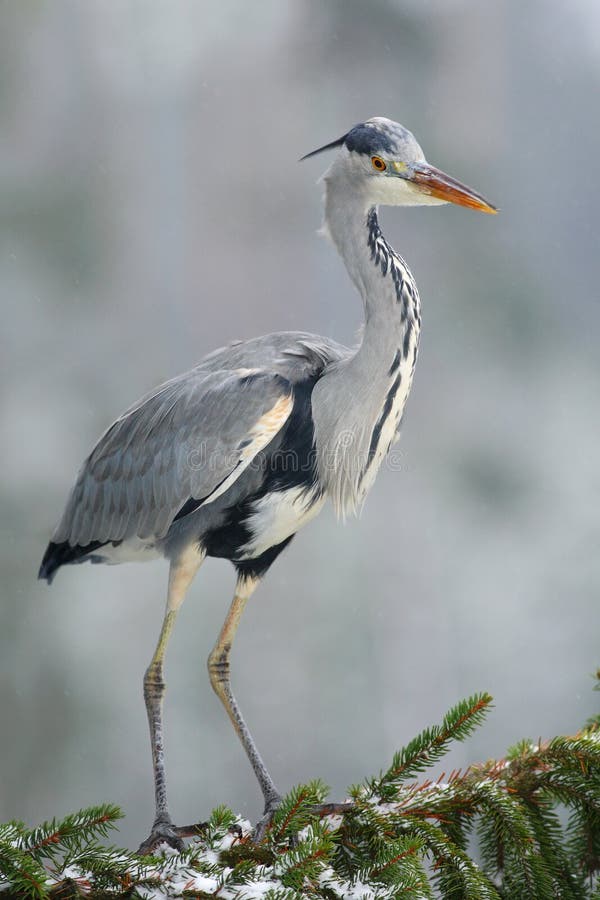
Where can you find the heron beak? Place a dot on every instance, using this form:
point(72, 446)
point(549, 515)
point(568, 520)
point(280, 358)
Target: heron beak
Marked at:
point(435, 182)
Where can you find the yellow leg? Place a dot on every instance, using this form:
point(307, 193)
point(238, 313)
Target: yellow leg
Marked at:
point(218, 669)
point(181, 573)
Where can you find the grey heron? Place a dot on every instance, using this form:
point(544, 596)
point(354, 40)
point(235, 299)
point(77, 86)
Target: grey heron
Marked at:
point(231, 458)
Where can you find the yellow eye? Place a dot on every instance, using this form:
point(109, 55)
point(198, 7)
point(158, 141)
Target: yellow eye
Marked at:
point(378, 164)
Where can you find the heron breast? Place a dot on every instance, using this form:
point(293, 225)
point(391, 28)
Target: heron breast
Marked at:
point(277, 516)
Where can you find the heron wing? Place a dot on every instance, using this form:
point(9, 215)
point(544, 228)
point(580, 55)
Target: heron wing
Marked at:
point(294, 354)
point(190, 438)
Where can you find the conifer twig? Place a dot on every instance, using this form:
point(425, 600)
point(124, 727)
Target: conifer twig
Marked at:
point(394, 837)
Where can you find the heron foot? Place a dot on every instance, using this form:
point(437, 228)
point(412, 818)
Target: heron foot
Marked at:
point(163, 832)
point(271, 807)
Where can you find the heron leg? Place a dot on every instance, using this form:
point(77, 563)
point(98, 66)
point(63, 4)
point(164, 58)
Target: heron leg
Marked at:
point(181, 573)
point(218, 669)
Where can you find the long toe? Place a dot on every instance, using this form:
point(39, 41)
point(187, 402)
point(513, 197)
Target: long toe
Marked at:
point(271, 807)
point(162, 833)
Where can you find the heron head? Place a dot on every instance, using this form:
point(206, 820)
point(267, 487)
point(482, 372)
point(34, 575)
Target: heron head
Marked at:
point(383, 160)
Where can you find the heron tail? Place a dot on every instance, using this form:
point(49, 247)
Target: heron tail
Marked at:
point(62, 554)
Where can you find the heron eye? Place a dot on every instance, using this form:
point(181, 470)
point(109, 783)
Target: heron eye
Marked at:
point(378, 164)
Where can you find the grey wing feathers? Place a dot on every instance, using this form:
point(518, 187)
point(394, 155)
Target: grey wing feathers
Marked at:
point(293, 354)
point(191, 438)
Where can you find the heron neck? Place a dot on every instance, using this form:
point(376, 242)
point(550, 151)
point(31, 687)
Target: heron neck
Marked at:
point(358, 404)
point(384, 281)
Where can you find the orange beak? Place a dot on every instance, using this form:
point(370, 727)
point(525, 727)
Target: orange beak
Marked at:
point(435, 182)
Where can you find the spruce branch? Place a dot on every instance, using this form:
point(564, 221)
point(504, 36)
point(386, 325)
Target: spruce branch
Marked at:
point(395, 837)
point(431, 745)
point(296, 811)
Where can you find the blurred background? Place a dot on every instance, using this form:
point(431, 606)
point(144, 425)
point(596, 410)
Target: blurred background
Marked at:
point(152, 208)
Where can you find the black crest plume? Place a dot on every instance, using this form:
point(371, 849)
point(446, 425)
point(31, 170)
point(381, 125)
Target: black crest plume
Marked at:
point(330, 146)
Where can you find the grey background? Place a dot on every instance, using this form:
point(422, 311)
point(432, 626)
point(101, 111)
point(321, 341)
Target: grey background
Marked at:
point(152, 208)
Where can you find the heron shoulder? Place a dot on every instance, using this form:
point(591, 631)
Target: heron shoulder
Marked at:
point(296, 355)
